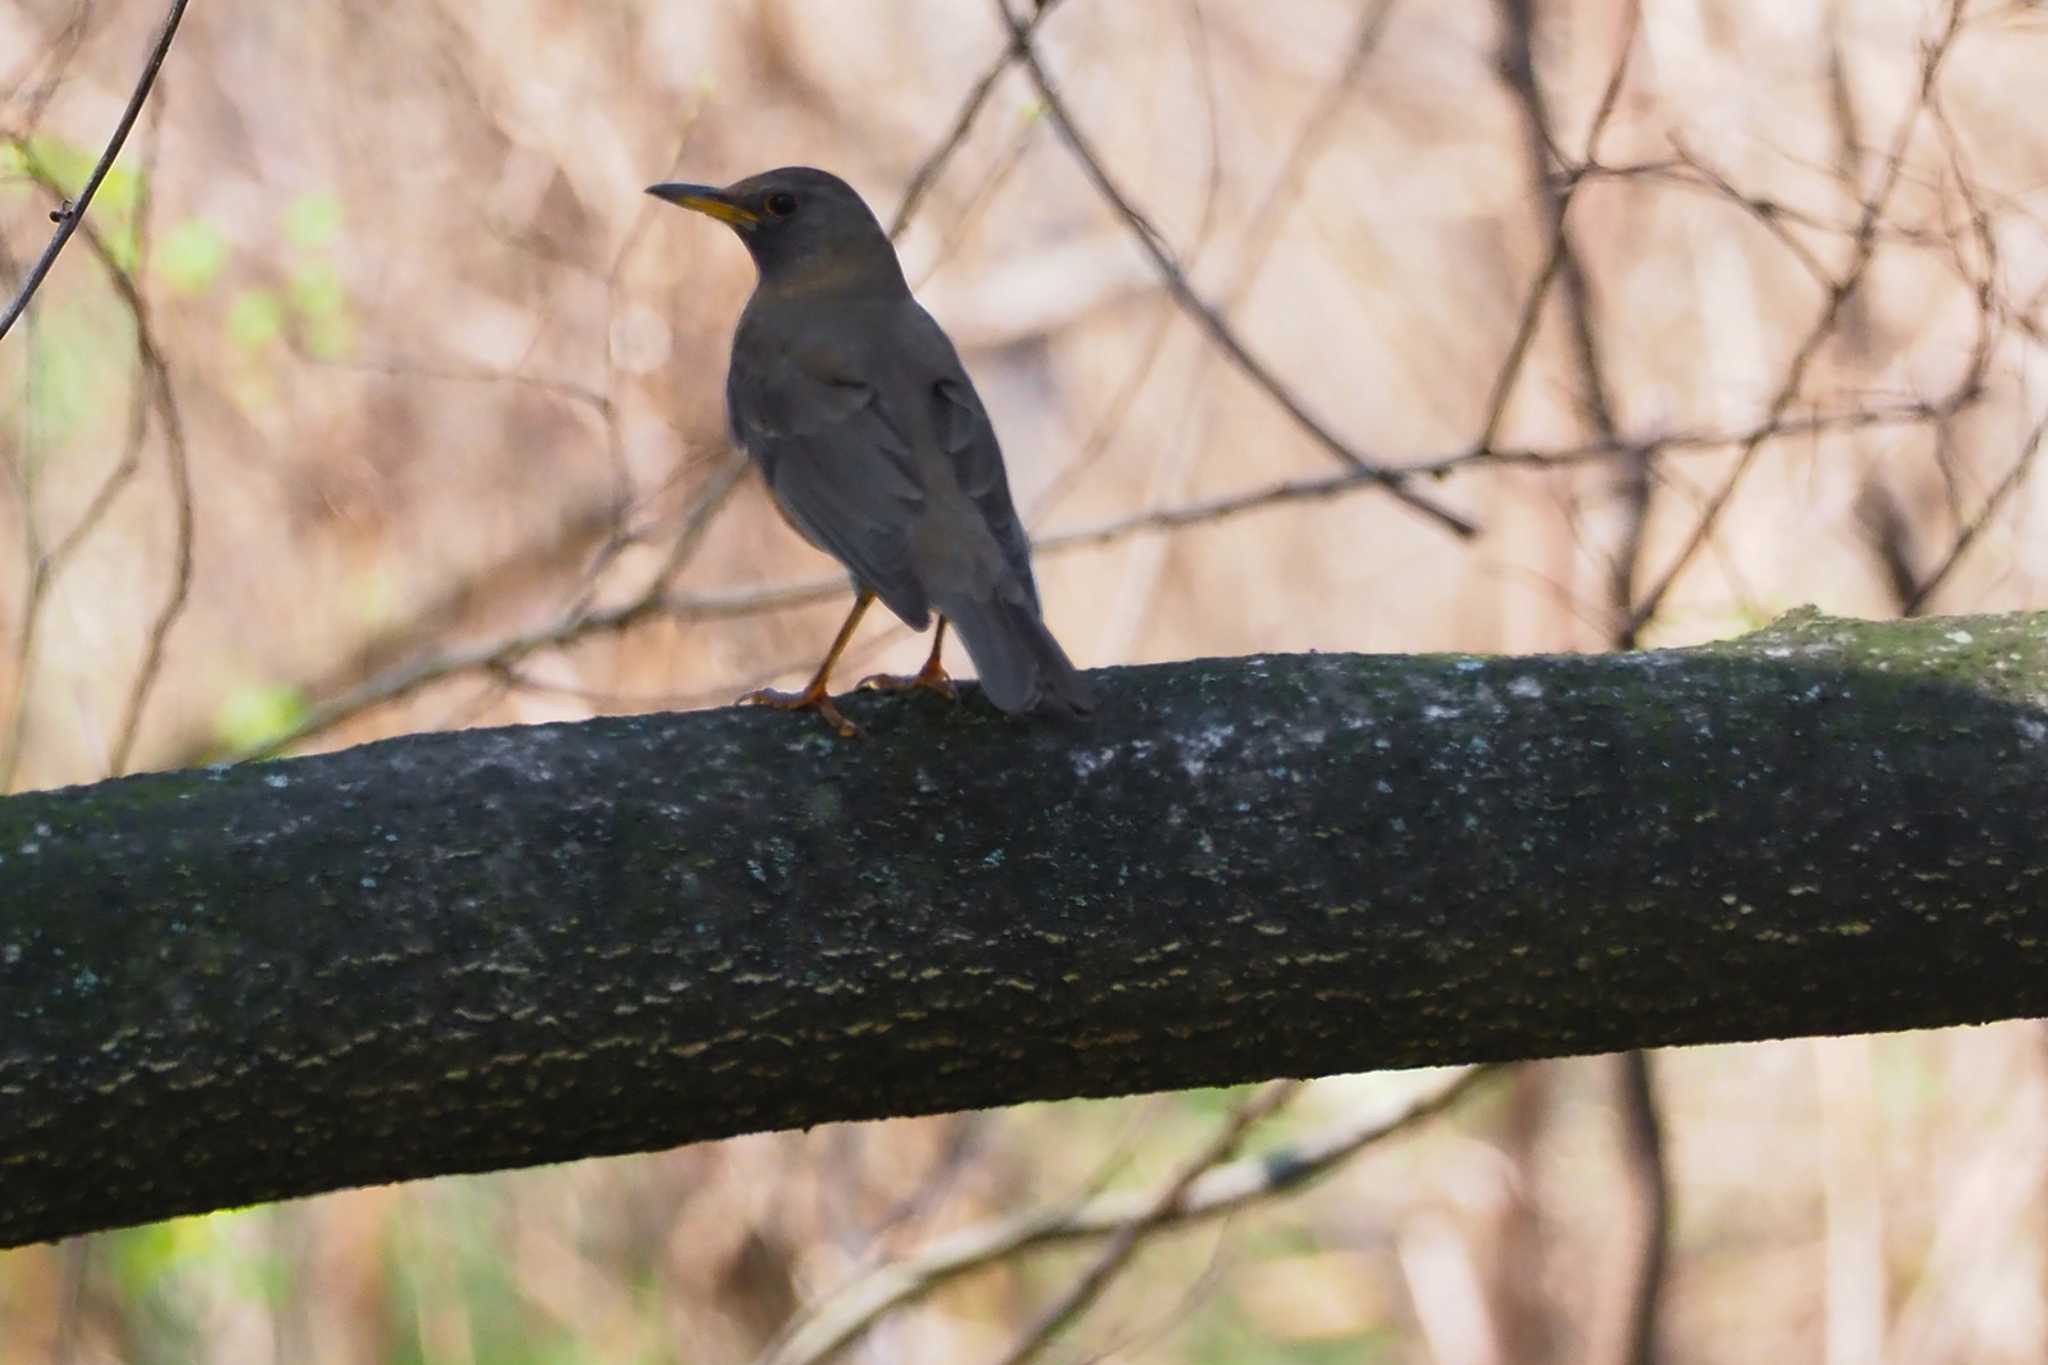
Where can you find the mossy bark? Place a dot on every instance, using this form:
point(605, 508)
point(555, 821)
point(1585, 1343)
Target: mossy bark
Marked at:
point(465, 951)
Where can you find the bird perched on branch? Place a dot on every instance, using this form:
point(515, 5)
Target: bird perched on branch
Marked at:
point(874, 443)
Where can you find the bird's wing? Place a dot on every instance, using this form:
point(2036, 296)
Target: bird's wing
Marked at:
point(838, 465)
point(969, 440)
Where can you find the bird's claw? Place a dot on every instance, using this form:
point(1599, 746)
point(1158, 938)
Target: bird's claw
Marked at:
point(930, 679)
point(810, 699)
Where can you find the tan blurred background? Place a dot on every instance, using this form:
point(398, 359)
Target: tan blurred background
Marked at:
point(378, 398)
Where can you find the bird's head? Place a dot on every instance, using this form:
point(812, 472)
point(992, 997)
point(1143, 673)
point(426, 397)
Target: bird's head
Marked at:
point(805, 228)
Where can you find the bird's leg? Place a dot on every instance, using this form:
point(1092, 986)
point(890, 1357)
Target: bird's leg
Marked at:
point(932, 677)
point(813, 697)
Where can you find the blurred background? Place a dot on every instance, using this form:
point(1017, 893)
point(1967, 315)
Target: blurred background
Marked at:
point(375, 397)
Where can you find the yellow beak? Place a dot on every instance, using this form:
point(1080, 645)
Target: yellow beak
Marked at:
point(705, 199)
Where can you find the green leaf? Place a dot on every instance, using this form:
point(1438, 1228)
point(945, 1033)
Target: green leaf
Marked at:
point(255, 319)
point(257, 716)
point(191, 256)
point(313, 221)
point(322, 306)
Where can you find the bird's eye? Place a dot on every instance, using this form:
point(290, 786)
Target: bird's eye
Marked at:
point(781, 203)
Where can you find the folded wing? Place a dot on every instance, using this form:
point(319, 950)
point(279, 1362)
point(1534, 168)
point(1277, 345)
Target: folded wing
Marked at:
point(841, 470)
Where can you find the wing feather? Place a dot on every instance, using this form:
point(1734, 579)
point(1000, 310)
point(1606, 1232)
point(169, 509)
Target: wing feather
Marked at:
point(840, 470)
point(969, 440)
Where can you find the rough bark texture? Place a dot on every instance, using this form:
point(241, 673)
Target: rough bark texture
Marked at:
point(464, 951)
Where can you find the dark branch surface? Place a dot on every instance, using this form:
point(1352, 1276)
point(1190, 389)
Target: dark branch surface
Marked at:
point(465, 951)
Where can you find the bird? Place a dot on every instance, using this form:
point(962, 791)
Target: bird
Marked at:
point(853, 404)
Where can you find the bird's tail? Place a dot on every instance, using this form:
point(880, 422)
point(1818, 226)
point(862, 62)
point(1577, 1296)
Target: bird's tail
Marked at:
point(1022, 667)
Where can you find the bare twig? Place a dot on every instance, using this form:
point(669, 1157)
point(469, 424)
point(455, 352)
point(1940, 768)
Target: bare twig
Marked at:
point(928, 170)
point(1086, 1289)
point(1565, 265)
point(1643, 1129)
point(45, 565)
point(1823, 326)
point(1217, 1190)
point(156, 376)
point(1965, 538)
point(1888, 531)
point(1284, 191)
point(155, 381)
point(73, 213)
point(54, 56)
point(1273, 204)
point(1518, 68)
point(577, 623)
point(1218, 330)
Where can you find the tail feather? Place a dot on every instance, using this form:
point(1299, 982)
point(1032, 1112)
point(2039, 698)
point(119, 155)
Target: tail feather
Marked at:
point(1022, 667)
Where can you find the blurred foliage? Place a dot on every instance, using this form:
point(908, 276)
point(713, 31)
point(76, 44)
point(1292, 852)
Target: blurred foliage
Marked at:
point(81, 357)
point(255, 715)
point(191, 256)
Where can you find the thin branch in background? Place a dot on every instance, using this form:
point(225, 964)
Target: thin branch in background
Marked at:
point(71, 215)
point(1519, 1292)
point(1184, 293)
point(1518, 69)
point(934, 162)
point(615, 440)
point(1884, 523)
point(1566, 266)
point(1643, 1128)
point(1986, 283)
point(1279, 196)
point(54, 57)
point(1823, 326)
point(1091, 1283)
point(1775, 218)
point(1219, 1189)
point(977, 201)
point(577, 623)
point(155, 379)
point(20, 485)
point(77, 1259)
point(2030, 449)
point(1856, 325)
point(1284, 192)
point(1888, 531)
point(46, 565)
point(1686, 169)
point(1136, 1341)
point(967, 1136)
point(1167, 458)
point(1270, 213)
point(157, 375)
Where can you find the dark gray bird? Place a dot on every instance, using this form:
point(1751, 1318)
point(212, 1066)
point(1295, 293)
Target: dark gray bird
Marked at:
point(874, 443)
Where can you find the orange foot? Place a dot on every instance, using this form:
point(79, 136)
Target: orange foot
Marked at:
point(812, 698)
point(931, 678)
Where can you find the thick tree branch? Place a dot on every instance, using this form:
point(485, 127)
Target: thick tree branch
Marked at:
point(465, 951)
